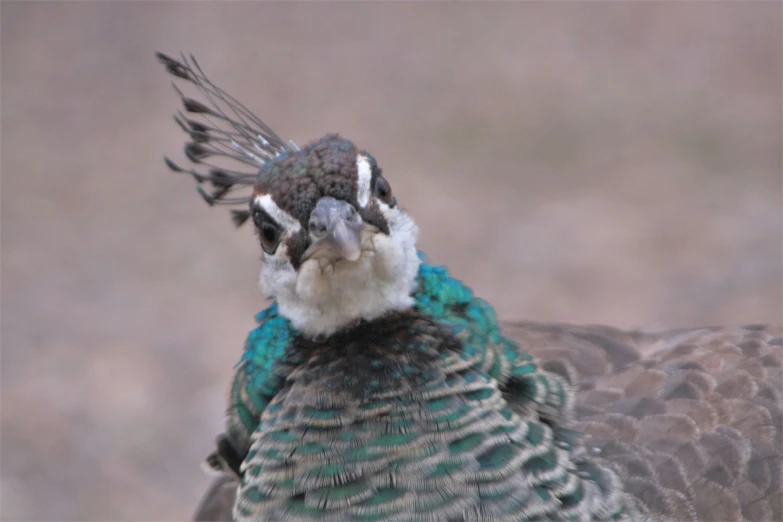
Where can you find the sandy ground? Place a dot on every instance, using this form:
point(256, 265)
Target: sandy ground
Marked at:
point(599, 162)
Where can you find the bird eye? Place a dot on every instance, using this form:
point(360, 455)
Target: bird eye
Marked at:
point(383, 191)
point(268, 232)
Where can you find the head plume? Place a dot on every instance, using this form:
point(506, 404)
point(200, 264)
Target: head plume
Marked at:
point(222, 130)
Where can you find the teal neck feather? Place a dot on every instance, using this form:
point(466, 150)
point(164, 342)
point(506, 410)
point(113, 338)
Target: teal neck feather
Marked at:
point(491, 404)
point(264, 363)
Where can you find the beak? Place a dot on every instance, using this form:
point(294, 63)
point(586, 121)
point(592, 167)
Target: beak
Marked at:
point(336, 231)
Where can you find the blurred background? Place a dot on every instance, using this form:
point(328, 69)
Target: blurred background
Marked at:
point(604, 162)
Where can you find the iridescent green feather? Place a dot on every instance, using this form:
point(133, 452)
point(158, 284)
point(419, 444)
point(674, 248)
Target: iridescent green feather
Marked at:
point(263, 366)
point(480, 434)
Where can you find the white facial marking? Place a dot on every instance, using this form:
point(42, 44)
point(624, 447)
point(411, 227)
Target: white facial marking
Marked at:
point(284, 219)
point(321, 298)
point(364, 169)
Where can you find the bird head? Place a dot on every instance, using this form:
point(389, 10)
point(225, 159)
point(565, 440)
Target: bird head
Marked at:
point(336, 248)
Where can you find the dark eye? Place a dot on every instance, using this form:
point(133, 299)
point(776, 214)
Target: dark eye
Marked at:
point(268, 232)
point(383, 191)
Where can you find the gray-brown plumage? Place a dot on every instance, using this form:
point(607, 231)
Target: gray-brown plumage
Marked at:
point(691, 420)
point(218, 501)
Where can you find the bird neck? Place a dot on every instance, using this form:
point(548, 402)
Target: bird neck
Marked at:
point(393, 352)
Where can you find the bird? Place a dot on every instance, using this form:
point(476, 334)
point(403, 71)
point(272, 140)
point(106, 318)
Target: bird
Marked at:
point(376, 386)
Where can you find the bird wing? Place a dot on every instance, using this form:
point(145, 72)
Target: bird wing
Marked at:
point(691, 419)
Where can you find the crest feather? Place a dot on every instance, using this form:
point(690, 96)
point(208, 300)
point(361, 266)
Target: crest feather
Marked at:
point(228, 133)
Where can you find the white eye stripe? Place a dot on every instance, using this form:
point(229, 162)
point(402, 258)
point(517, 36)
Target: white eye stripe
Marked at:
point(364, 179)
point(283, 218)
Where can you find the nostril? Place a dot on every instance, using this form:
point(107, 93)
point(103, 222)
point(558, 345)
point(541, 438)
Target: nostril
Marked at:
point(317, 226)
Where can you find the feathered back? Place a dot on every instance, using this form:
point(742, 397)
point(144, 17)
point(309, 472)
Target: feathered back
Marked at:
point(691, 420)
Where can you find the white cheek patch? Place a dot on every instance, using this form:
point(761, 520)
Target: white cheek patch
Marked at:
point(283, 218)
point(364, 179)
point(321, 299)
point(276, 272)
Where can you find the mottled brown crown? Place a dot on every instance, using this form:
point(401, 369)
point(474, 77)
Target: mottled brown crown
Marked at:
point(296, 180)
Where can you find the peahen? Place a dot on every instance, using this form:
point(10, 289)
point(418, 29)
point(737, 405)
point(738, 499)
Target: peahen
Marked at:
point(378, 387)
